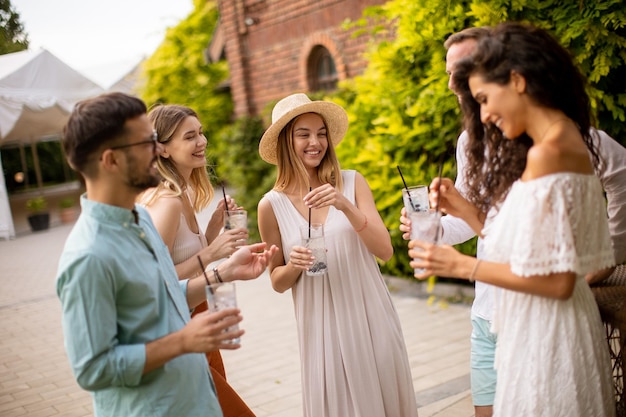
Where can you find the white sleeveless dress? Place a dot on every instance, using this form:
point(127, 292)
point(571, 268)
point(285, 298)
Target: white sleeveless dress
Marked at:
point(353, 356)
point(552, 358)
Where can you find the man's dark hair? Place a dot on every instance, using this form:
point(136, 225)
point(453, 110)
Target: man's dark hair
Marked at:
point(94, 123)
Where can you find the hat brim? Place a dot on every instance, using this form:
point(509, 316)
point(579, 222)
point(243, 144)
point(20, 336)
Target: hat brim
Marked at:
point(334, 115)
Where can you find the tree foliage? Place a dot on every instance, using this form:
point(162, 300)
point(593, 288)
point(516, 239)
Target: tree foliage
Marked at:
point(241, 167)
point(177, 72)
point(12, 35)
point(593, 31)
point(400, 109)
point(401, 112)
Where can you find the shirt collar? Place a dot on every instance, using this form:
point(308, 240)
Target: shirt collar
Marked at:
point(107, 212)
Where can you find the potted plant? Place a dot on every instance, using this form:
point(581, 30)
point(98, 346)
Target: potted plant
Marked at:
point(67, 210)
point(39, 218)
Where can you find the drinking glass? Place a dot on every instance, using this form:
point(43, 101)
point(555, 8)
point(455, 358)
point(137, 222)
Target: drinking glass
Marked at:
point(426, 226)
point(418, 200)
point(236, 219)
point(313, 239)
point(221, 296)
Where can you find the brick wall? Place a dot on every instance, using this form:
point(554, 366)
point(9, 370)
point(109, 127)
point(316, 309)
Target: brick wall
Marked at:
point(268, 43)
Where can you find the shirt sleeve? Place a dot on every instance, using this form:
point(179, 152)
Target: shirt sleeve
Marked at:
point(184, 283)
point(456, 230)
point(87, 292)
point(613, 178)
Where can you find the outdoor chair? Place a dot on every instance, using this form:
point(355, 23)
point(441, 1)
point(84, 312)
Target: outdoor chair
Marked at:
point(611, 298)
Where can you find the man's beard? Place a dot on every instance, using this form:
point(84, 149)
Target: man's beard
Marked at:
point(138, 179)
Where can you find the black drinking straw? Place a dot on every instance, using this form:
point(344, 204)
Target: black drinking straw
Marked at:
point(225, 202)
point(438, 195)
point(310, 189)
point(204, 272)
point(407, 189)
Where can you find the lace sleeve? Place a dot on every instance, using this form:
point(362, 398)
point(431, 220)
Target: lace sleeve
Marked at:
point(563, 227)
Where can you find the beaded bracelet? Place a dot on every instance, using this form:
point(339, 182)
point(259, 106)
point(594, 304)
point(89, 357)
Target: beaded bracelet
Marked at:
point(217, 275)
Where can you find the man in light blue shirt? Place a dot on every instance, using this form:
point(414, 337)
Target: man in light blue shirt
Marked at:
point(128, 332)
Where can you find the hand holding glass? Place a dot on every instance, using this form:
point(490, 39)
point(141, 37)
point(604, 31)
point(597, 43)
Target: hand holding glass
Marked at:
point(425, 226)
point(236, 219)
point(313, 239)
point(221, 296)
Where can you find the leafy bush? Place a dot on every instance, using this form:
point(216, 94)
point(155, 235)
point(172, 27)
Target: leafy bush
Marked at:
point(400, 109)
point(36, 204)
point(241, 167)
point(401, 112)
point(593, 31)
point(177, 72)
point(67, 202)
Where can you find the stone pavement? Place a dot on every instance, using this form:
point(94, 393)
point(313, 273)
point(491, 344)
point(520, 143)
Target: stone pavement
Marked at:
point(36, 381)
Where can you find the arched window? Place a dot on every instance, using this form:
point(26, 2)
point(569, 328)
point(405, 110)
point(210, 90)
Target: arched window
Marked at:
point(322, 74)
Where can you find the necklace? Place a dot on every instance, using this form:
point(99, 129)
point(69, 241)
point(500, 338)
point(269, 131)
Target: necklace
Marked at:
point(560, 119)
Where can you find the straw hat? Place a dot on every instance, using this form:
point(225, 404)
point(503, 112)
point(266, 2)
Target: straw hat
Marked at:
point(292, 106)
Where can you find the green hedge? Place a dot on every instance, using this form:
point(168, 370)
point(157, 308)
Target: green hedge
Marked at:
point(241, 169)
point(402, 113)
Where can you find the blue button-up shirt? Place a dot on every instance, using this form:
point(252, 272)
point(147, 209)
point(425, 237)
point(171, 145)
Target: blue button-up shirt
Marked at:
point(119, 290)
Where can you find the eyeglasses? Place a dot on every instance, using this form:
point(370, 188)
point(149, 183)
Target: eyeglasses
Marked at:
point(154, 139)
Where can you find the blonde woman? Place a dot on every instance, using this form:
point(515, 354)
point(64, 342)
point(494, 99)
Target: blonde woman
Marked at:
point(184, 191)
point(354, 360)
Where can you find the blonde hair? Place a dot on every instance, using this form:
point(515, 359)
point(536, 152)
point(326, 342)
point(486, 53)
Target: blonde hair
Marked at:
point(166, 119)
point(291, 170)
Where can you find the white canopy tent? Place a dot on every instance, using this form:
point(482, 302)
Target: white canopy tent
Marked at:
point(37, 94)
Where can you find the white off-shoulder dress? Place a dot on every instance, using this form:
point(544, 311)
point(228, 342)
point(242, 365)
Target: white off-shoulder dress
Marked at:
point(552, 358)
point(353, 358)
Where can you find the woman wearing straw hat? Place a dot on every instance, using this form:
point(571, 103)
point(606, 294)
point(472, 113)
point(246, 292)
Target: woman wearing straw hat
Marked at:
point(184, 191)
point(354, 360)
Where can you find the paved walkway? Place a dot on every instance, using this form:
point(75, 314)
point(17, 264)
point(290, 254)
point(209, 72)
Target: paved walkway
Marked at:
point(36, 381)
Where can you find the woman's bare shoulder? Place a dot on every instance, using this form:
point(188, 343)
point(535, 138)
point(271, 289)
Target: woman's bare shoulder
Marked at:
point(559, 155)
point(167, 206)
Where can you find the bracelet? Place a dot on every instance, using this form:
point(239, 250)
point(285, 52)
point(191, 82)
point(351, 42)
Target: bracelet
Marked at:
point(217, 276)
point(471, 277)
point(362, 227)
point(206, 278)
